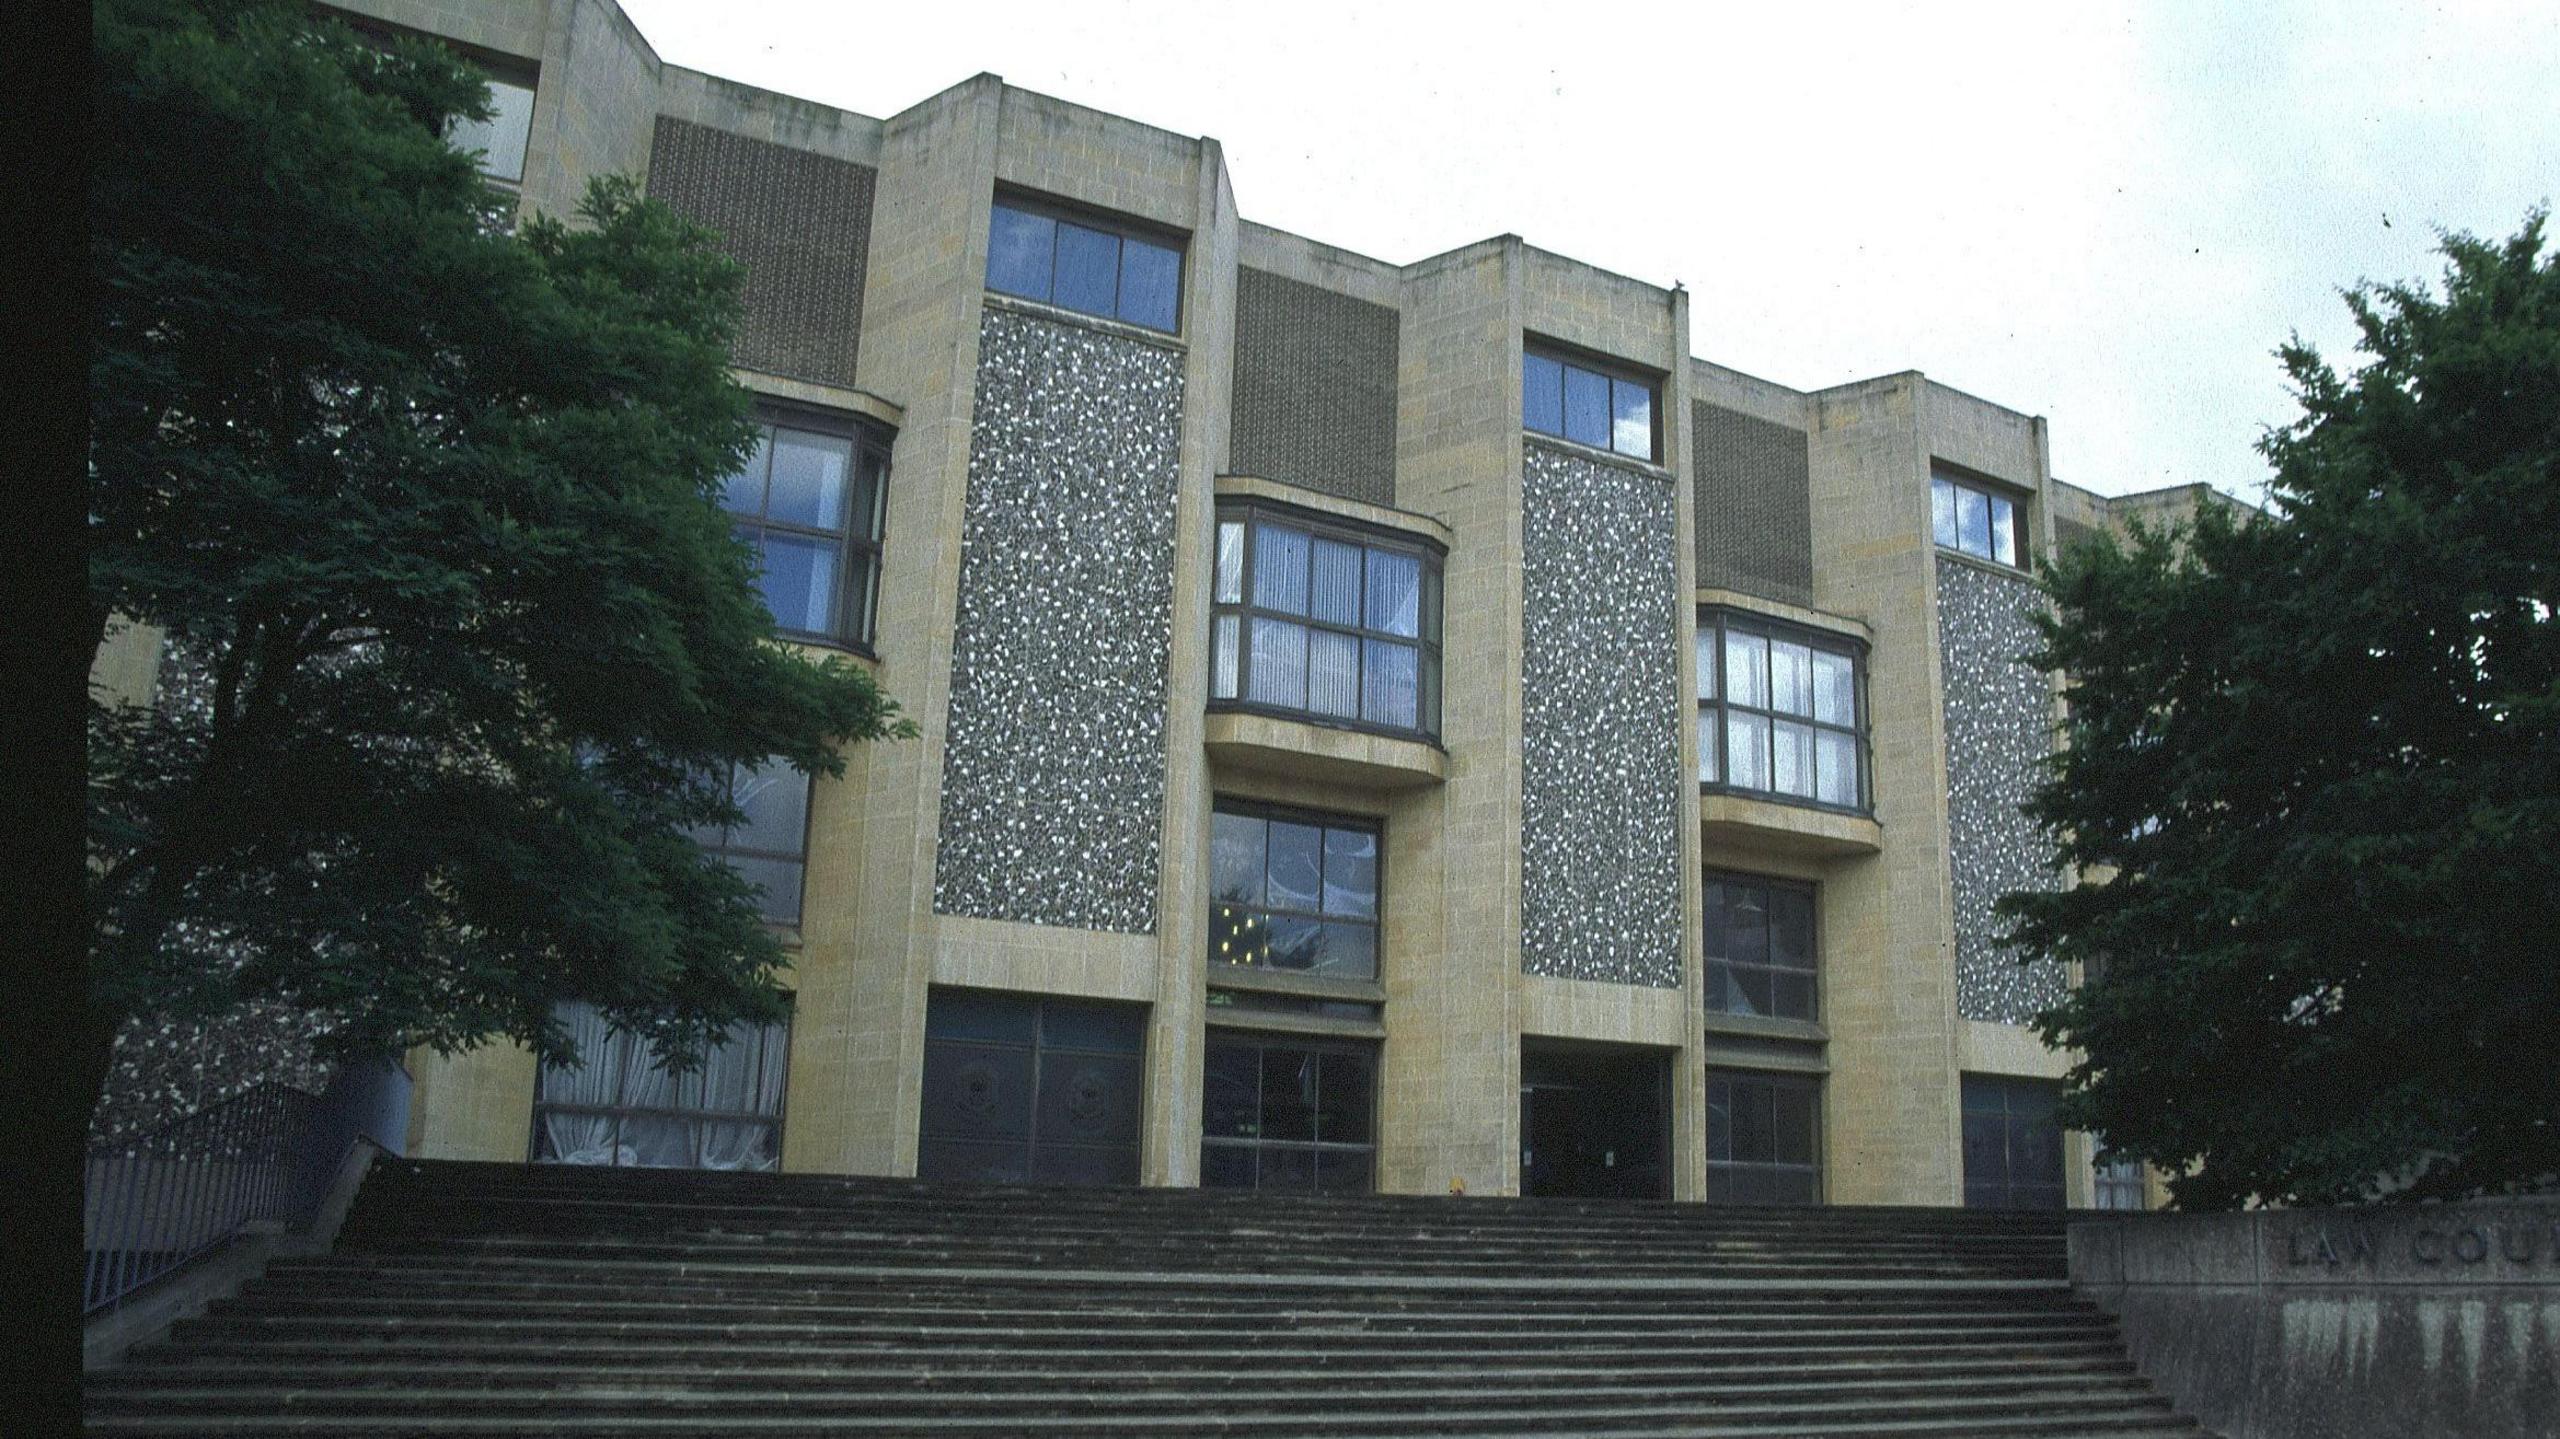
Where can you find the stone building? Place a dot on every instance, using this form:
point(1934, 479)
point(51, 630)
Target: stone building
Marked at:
point(1383, 726)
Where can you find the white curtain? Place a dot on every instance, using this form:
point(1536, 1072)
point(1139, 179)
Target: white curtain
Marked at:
point(622, 1074)
point(582, 1138)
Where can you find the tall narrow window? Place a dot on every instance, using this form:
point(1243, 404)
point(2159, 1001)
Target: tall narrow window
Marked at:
point(620, 1106)
point(769, 849)
point(1587, 405)
point(1973, 519)
point(1781, 711)
point(1291, 891)
point(813, 504)
point(1321, 620)
point(1086, 266)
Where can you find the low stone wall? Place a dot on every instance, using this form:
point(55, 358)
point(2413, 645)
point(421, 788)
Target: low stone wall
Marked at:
point(2340, 1323)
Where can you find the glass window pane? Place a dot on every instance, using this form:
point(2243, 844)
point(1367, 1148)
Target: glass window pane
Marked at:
point(1707, 728)
point(1088, 269)
point(1238, 935)
point(1541, 395)
point(1706, 642)
point(799, 583)
point(1333, 674)
point(1711, 903)
point(1395, 593)
point(1429, 719)
point(1942, 512)
point(1746, 669)
point(1746, 923)
point(743, 492)
point(1835, 688)
point(1746, 751)
point(1973, 516)
point(1431, 603)
point(1720, 1120)
point(1586, 407)
point(1387, 685)
point(780, 881)
point(1297, 945)
point(2004, 531)
point(1351, 873)
point(1297, 866)
point(1794, 772)
point(1236, 857)
point(1344, 1085)
point(1790, 927)
point(1791, 995)
point(1230, 588)
point(499, 140)
point(1790, 678)
point(1231, 1093)
point(1794, 1123)
point(1150, 283)
point(1224, 632)
point(1350, 952)
point(1280, 568)
point(1755, 1122)
point(1334, 595)
point(1719, 986)
point(1749, 990)
point(809, 479)
point(1345, 1171)
point(870, 493)
point(1020, 248)
point(1279, 670)
point(1288, 1094)
point(776, 800)
point(1226, 1166)
point(1836, 769)
point(1631, 418)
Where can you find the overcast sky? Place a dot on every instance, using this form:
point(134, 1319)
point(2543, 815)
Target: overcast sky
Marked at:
point(2107, 215)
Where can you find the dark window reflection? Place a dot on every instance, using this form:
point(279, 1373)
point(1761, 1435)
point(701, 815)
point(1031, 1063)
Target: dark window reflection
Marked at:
point(1288, 1115)
point(1084, 267)
point(1293, 893)
point(1764, 1139)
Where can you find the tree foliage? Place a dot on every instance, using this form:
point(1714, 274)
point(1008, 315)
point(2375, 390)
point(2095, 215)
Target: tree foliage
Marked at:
point(428, 512)
point(2314, 759)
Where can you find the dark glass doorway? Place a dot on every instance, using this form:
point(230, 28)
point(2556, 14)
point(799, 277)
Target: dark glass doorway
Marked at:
point(1595, 1121)
point(1019, 1089)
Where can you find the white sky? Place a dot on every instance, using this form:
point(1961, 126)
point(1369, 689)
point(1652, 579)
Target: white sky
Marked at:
point(2108, 215)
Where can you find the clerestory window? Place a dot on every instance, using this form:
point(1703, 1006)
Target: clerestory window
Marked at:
point(1972, 519)
point(1086, 265)
point(1588, 405)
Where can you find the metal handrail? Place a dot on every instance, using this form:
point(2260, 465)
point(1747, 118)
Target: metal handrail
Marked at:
point(157, 1201)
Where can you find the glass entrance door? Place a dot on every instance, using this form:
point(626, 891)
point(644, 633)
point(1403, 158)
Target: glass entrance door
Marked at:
point(1594, 1121)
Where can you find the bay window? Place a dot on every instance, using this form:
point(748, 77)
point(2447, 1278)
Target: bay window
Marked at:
point(1325, 621)
point(812, 503)
point(1781, 711)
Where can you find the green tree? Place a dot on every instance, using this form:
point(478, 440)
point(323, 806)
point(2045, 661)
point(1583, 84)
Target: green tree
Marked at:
point(428, 513)
point(2314, 758)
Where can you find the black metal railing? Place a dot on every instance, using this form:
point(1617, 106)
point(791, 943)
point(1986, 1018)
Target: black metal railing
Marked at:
point(156, 1202)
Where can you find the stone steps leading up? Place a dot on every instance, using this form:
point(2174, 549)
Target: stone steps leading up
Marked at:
point(489, 1299)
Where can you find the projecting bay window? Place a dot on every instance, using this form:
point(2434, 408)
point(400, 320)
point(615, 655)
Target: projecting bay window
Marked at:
point(1293, 892)
point(1325, 622)
point(812, 503)
point(1781, 712)
point(1973, 519)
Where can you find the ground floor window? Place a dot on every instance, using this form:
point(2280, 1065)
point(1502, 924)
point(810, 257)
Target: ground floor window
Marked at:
point(1289, 1114)
point(2012, 1143)
point(621, 1107)
point(2119, 1184)
point(1020, 1088)
point(1764, 1139)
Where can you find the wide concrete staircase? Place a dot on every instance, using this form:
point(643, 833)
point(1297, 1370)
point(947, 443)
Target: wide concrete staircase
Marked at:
point(507, 1299)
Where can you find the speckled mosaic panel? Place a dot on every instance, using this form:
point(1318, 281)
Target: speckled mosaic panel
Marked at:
point(801, 224)
point(1600, 718)
point(1999, 728)
point(1053, 770)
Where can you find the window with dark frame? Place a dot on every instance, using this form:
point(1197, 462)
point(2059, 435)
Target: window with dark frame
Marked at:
point(813, 503)
point(621, 1108)
point(2117, 1183)
point(1571, 400)
point(1089, 266)
point(1764, 1138)
point(1288, 1115)
point(1760, 947)
point(1293, 892)
point(1973, 519)
point(2012, 1143)
point(770, 848)
point(1324, 621)
point(500, 140)
point(1781, 712)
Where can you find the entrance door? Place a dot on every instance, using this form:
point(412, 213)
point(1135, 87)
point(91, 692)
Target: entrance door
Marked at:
point(1019, 1088)
point(1595, 1121)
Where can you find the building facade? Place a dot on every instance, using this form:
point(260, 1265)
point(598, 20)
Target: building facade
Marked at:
point(1407, 727)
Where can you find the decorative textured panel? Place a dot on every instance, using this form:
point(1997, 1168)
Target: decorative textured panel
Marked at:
point(800, 223)
point(1999, 727)
point(1755, 510)
point(1053, 768)
point(1600, 720)
point(1315, 388)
